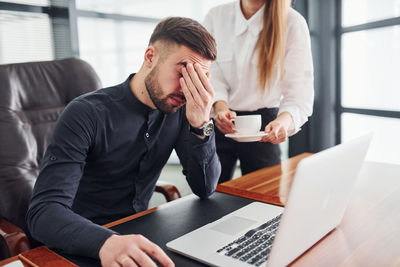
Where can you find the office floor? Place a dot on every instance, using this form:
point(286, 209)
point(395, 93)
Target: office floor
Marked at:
point(172, 173)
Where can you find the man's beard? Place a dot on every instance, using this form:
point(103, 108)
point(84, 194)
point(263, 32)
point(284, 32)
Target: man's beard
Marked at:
point(155, 92)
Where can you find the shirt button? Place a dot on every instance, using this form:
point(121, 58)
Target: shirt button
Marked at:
point(147, 135)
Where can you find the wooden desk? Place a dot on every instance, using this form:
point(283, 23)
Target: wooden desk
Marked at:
point(369, 234)
point(269, 185)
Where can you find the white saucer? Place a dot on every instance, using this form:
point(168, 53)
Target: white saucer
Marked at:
point(246, 137)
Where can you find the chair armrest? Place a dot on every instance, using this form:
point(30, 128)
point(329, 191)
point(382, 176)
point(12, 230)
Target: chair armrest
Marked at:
point(169, 191)
point(12, 240)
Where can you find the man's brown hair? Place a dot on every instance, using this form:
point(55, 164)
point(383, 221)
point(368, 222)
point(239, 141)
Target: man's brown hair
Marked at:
point(187, 32)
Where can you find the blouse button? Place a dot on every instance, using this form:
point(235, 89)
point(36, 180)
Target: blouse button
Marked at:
point(147, 135)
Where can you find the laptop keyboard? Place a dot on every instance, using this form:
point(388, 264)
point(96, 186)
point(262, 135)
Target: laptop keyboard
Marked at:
point(254, 246)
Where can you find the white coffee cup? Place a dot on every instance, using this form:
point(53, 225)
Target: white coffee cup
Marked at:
point(248, 124)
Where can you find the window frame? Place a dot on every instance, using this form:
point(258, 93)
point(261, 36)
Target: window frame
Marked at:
point(340, 109)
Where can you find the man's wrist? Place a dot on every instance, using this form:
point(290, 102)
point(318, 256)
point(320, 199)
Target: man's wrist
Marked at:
point(198, 125)
point(103, 249)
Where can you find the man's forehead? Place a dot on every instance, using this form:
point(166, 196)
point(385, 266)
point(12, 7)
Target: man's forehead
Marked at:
point(184, 55)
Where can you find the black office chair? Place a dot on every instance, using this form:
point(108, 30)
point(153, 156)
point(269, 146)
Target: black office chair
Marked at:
point(32, 96)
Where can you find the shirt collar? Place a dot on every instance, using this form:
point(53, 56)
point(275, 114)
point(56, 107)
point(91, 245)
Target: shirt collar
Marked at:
point(254, 24)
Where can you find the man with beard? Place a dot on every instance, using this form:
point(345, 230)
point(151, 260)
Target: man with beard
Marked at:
point(109, 146)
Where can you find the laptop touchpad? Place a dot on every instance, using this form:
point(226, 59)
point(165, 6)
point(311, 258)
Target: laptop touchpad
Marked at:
point(233, 225)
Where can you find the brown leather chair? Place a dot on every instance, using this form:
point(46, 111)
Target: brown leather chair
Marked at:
point(32, 96)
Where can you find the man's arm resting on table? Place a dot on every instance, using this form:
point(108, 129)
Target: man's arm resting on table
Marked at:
point(200, 162)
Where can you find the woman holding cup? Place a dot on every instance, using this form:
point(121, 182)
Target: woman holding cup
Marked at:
point(264, 66)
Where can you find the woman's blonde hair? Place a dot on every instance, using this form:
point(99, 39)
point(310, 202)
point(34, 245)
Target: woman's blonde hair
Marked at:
point(272, 40)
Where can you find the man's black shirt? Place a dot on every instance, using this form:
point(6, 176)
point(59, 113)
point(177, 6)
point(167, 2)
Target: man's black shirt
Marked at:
point(102, 164)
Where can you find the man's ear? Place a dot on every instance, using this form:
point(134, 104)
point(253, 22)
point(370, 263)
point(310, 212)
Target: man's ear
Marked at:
point(150, 56)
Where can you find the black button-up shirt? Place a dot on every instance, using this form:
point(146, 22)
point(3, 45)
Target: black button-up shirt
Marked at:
point(102, 164)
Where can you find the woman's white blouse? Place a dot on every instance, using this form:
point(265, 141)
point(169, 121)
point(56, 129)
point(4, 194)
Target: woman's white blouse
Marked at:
point(234, 73)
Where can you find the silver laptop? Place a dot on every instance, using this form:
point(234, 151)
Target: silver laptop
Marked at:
point(250, 236)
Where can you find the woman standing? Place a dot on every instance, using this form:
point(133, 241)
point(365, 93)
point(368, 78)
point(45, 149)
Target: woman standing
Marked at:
point(264, 66)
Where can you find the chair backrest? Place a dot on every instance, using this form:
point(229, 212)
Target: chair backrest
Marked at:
point(32, 96)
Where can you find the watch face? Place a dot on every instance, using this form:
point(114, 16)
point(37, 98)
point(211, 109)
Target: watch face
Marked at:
point(205, 130)
point(208, 128)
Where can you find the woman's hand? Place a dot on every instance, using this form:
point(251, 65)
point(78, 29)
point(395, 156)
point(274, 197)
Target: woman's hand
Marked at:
point(224, 117)
point(277, 129)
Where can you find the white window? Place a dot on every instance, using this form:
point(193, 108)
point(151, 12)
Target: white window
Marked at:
point(25, 37)
point(370, 75)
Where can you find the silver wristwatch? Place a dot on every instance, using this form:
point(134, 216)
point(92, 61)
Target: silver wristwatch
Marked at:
point(204, 130)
